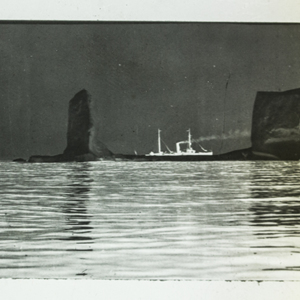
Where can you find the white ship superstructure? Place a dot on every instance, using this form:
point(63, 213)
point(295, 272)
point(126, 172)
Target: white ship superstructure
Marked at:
point(188, 152)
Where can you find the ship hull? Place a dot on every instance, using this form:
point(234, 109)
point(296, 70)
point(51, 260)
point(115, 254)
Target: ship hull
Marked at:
point(180, 157)
point(187, 158)
point(241, 155)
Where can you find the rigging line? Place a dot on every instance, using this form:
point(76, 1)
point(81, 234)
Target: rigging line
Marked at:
point(166, 145)
point(202, 148)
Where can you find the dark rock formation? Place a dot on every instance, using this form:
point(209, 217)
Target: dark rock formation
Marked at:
point(19, 160)
point(82, 144)
point(81, 137)
point(276, 125)
point(244, 154)
point(79, 125)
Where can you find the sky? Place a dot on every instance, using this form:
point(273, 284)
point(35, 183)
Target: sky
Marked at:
point(141, 76)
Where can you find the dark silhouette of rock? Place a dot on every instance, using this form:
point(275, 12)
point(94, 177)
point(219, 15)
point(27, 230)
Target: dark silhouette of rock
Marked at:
point(276, 125)
point(48, 158)
point(81, 136)
point(244, 154)
point(19, 160)
point(79, 124)
point(82, 143)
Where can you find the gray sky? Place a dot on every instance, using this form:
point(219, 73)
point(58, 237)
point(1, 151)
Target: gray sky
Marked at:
point(142, 77)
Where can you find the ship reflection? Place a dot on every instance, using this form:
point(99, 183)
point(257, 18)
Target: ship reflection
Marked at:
point(75, 211)
point(279, 206)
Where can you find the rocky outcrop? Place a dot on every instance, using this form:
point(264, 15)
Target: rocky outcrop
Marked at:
point(19, 160)
point(82, 143)
point(276, 125)
point(79, 125)
point(81, 135)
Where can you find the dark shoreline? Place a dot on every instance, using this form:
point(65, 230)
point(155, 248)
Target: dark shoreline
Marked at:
point(237, 155)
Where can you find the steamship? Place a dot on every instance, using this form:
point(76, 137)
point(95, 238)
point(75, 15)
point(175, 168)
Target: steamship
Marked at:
point(188, 154)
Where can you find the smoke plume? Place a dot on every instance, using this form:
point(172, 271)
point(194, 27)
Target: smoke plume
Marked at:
point(236, 134)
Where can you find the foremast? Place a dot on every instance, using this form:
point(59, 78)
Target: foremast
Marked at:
point(159, 142)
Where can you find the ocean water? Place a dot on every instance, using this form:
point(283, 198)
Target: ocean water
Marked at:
point(145, 220)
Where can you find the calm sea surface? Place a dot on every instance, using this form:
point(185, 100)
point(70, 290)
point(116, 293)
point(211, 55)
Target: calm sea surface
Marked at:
point(143, 220)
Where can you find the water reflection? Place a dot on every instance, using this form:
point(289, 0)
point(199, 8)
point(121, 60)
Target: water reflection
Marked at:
point(278, 208)
point(276, 214)
point(274, 180)
point(75, 205)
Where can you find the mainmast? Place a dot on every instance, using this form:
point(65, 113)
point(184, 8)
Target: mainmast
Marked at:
point(190, 138)
point(159, 144)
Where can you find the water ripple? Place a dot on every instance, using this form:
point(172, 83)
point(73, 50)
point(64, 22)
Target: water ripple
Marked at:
point(203, 220)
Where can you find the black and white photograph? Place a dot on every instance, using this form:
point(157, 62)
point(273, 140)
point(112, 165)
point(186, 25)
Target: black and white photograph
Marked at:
point(150, 150)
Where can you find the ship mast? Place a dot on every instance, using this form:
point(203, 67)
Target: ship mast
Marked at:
point(159, 144)
point(190, 138)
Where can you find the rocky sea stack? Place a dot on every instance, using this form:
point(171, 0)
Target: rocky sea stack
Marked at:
point(82, 143)
point(275, 133)
point(276, 125)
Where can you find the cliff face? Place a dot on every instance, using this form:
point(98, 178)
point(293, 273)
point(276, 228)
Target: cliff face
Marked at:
point(81, 142)
point(276, 125)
